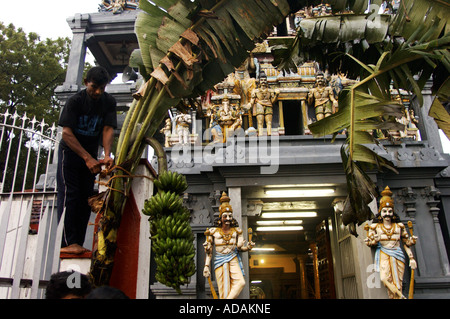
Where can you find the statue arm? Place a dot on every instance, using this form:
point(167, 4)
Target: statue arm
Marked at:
point(275, 95)
point(252, 99)
point(241, 242)
point(208, 245)
point(372, 237)
point(407, 240)
point(412, 261)
point(311, 96)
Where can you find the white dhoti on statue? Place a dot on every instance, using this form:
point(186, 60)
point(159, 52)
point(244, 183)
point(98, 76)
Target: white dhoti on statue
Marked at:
point(229, 274)
point(391, 265)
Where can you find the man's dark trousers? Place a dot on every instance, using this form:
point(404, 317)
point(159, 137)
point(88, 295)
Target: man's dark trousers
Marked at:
point(78, 184)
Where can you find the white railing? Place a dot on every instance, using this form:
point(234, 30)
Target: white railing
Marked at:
point(28, 219)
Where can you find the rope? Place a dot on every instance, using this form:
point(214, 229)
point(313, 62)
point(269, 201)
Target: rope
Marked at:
point(105, 173)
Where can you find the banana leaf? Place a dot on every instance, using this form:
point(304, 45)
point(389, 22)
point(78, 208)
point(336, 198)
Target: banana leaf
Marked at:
point(438, 111)
point(367, 106)
point(401, 51)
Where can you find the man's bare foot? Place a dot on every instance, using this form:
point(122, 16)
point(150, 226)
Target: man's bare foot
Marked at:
point(74, 249)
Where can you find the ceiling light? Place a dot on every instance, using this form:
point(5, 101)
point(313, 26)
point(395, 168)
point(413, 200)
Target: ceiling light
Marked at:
point(288, 214)
point(279, 228)
point(310, 192)
point(279, 222)
point(290, 205)
point(263, 249)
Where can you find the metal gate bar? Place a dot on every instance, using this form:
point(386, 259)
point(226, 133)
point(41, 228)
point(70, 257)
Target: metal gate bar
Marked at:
point(25, 271)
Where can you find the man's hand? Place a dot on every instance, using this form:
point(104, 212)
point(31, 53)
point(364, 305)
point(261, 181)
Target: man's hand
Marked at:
point(93, 165)
point(108, 162)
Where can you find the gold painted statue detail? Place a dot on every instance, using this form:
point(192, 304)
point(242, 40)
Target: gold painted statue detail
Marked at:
point(263, 98)
point(227, 239)
point(386, 234)
point(322, 96)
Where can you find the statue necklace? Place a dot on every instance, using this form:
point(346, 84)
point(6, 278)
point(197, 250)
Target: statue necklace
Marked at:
point(226, 237)
point(388, 232)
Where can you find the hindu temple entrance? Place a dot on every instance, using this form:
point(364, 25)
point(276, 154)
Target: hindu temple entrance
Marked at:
point(293, 257)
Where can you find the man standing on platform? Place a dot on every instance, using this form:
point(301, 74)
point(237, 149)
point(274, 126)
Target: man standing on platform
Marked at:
point(88, 120)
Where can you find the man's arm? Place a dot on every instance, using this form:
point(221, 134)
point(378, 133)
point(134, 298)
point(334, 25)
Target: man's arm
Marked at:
point(108, 140)
point(73, 143)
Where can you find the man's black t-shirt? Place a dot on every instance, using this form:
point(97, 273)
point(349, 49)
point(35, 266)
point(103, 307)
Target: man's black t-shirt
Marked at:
point(87, 117)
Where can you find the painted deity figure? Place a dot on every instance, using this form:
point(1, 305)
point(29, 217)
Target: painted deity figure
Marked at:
point(118, 6)
point(229, 118)
point(182, 126)
point(227, 239)
point(322, 96)
point(167, 130)
point(215, 128)
point(263, 98)
point(387, 233)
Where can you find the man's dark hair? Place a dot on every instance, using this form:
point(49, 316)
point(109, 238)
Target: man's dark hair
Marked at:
point(107, 292)
point(65, 283)
point(99, 75)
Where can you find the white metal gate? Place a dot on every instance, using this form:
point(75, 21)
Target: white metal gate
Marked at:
point(28, 220)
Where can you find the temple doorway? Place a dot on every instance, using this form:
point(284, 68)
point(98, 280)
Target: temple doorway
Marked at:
point(292, 114)
point(293, 257)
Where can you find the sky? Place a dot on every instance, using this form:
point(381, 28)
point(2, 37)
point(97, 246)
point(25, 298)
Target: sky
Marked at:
point(47, 18)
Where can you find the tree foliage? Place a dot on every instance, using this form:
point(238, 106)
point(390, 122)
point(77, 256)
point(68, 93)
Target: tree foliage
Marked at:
point(30, 70)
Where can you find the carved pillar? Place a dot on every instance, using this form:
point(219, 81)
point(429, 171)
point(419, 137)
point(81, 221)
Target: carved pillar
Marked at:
point(236, 202)
point(409, 201)
point(75, 67)
point(431, 193)
point(303, 278)
point(280, 109)
point(304, 115)
point(313, 248)
point(428, 128)
point(201, 218)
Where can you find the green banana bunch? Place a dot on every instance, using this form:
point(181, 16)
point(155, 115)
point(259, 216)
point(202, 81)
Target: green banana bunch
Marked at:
point(162, 203)
point(171, 233)
point(171, 181)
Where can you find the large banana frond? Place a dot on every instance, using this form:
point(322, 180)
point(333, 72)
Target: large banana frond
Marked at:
point(439, 109)
point(414, 14)
point(185, 48)
point(368, 106)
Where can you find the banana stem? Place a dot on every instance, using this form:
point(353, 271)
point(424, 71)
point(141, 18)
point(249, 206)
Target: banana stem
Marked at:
point(140, 109)
point(160, 153)
point(152, 109)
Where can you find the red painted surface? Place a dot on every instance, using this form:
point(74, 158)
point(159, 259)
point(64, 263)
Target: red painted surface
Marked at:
point(124, 275)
